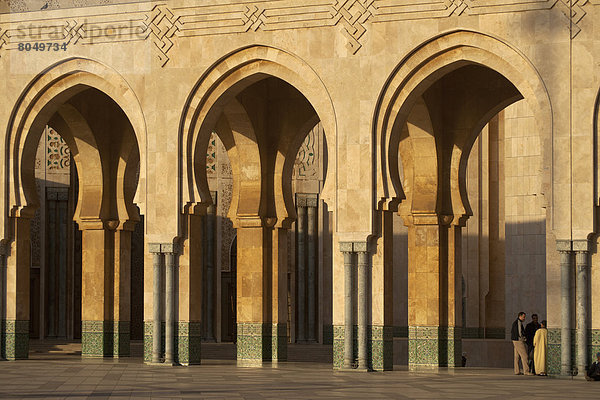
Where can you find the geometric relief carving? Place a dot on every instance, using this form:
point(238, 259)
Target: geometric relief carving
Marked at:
point(353, 14)
point(211, 155)
point(58, 155)
point(306, 165)
point(574, 14)
point(227, 230)
point(162, 24)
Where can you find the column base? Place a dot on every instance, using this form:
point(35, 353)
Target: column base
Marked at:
point(105, 339)
point(431, 347)
point(15, 339)
point(258, 342)
point(188, 343)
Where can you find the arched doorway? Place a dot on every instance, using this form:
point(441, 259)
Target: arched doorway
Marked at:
point(261, 114)
point(430, 114)
point(79, 99)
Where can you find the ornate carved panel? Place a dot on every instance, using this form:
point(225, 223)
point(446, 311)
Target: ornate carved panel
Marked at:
point(58, 155)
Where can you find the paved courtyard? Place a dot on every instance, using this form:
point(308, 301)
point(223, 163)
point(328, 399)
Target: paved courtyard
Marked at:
point(56, 375)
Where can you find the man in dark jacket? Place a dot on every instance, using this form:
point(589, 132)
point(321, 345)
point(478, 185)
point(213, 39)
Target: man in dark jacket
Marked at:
point(530, 330)
point(593, 373)
point(517, 335)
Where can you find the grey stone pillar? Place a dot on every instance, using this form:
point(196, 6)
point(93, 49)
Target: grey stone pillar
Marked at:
point(169, 309)
point(564, 248)
point(348, 289)
point(301, 294)
point(312, 259)
point(582, 310)
point(158, 259)
point(210, 268)
point(363, 279)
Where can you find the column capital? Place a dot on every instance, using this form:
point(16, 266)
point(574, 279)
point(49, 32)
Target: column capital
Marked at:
point(564, 246)
point(581, 246)
point(354, 247)
point(163, 248)
point(361, 247)
point(346, 247)
point(306, 199)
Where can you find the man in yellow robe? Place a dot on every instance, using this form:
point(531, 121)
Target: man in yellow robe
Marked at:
point(540, 343)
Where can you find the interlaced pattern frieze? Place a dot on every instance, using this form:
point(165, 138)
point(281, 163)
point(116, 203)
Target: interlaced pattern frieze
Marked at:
point(162, 23)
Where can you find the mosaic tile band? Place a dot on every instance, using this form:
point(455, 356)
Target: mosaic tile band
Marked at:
point(257, 342)
point(554, 348)
point(15, 339)
point(380, 347)
point(432, 346)
point(105, 339)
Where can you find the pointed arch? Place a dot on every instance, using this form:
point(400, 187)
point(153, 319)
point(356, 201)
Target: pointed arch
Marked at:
point(224, 80)
point(428, 63)
point(40, 100)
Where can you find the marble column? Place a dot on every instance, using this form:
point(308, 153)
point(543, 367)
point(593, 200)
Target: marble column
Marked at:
point(363, 276)
point(210, 268)
point(158, 260)
point(566, 305)
point(311, 264)
point(582, 308)
point(169, 309)
point(301, 267)
point(348, 289)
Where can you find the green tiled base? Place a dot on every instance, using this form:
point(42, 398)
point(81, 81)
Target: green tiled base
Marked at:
point(188, 346)
point(382, 347)
point(594, 343)
point(553, 353)
point(257, 342)
point(148, 327)
point(15, 339)
point(105, 339)
point(380, 350)
point(338, 346)
point(554, 348)
point(432, 346)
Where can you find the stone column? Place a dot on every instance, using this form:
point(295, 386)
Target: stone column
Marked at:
point(169, 309)
point(346, 248)
point(301, 268)
point(158, 260)
point(210, 268)
point(311, 264)
point(582, 306)
point(566, 361)
point(363, 276)
point(122, 292)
